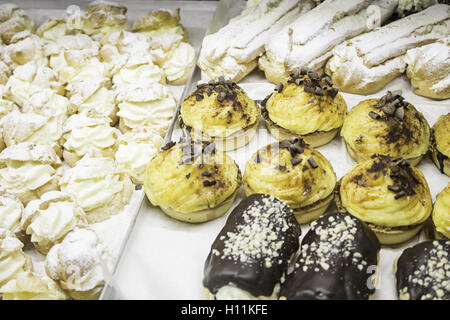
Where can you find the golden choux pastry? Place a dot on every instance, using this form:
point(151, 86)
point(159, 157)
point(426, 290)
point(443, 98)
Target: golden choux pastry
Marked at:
point(440, 143)
point(441, 215)
point(160, 21)
point(308, 106)
point(221, 111)
point(388, 126)
point(294, 172)
point(389, 194)
point(192, 182)
point(13, 20)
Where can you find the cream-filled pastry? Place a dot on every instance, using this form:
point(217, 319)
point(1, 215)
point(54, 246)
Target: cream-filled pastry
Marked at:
point(48, 102)
point(32, 286)
point(11, 210)
point(13, 20)
point(422, 272)
point(294, 172)
point(13, 261)
point(138, 69)
point(5, 72)
point(98, 186)
point(25, 47)
point(48, 219)
point(388, 126)
point(145, 105)
point(390, 195)
point(179, 63)
point(29, 170)
point(407, 7)
point(78, 264)
point(52, 29)
point(160, 21)
point(192, 182)
point(162, 45)
point(221, 111)
point(440, 216)
point(307, 105)
point(135, 150)
point(88, 131)
point(440, 144)
point(6, 105)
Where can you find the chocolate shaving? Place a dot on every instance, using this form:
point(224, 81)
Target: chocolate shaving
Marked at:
point(374, 115)
point(168, 145)
point(208, 183)
point(313, 83)
point(258, 158)
point(279, 87)
point(313, 163)
point(393, 106)
point(296, 161)
point(188, 175)
point(206, 174)
point(305, 168)
point(281, 168)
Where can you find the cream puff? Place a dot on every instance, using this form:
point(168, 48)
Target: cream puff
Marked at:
point(251, 254)
point(138, 69)
point(25, 47)
point(47, 102)
point(52, 29)
point(13, 20)
point(221, 111)
point(440, 144)
point(387, 126)
point(295, 173)
point(389, 194)
point(192, 182)
point(161, 21)
point(308, 106)
point(11, 210)
point(422, 272)
point(440, 217)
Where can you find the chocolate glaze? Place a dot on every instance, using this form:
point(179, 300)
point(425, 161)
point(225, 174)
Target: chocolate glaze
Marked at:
point(343, 279)
point(413, 264)
point(253, 275)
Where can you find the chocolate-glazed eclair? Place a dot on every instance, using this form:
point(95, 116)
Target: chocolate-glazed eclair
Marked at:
point(294, 172)
point(306, 105)
point(221, 111)
point(192, 181)
point(388, 126)
point(391, 195)
point(335, 261)
point(251, 254)
point(423, 271)
point(440, 144)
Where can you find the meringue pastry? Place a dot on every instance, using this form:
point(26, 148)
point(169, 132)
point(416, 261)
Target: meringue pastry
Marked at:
point(135, 149)
point(295, 173)
point(52, 29)
point(160, 21)
point(221, 111)
point(88, 131)
point(407, 7)
point(31, 286)
point(307, 106)
point(11, 210)
point(29, 170)
point(251, 254)
point(440, 144)
point(12, 21)
point(441, 215)
point(25, 47)
point(179, 64)
point(192, 182)
point(150, 106)
point(6, 105)
point(47, 102)
point(78, 264)
point(139, 69)
point(50, 218)
point(98, 186)
point(5, 72)
point(390, 195)
point(387, 126)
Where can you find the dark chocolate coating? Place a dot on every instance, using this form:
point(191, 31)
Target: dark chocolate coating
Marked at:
point(413, 264)
point(253, 275)
point(330, 274)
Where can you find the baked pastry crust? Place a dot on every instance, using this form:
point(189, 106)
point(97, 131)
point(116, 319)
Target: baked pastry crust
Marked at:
point(441, 214)
point(160, 21)
point(386, 126)
point(11, 210)
point(440, 144)
point(12, 21)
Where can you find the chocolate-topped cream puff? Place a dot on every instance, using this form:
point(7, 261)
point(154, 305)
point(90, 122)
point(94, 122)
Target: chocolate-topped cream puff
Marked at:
point(307, 105)
point(440, 217)
point(221, 111)
point(389, 126)
point(294, 172)
point(391, 195)
point(251, 254)
point(334, 263)
point(423, 271)
point(440, 144)
point(192, 182)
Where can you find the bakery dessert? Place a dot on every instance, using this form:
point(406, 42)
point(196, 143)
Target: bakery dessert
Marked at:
point(25, 47)
point(422, 271)
point(98, 186)
point(11, 210)
point(145, 105)
point(179, 63)
point(79, 264)
point(407, 7)
point(390, 195)
point(295, 173)
point(221, 111)
point(48, 219)
point(366, 63)
point(192, 182)
point(388, 126)
point(251, 254)
point(47, 102)
point(29, 170)
point(428, 68)
point(32, 286)
point(307, 105)
point(440, 144)
point(52, 29)
point(335, 261)
point(310, 39)
point(135, 150)
point(233, 51)
point(13, 20)
point(5, 72)
point(139, 69)
point(88, 131)
point(161, 21)
point(440, 217)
